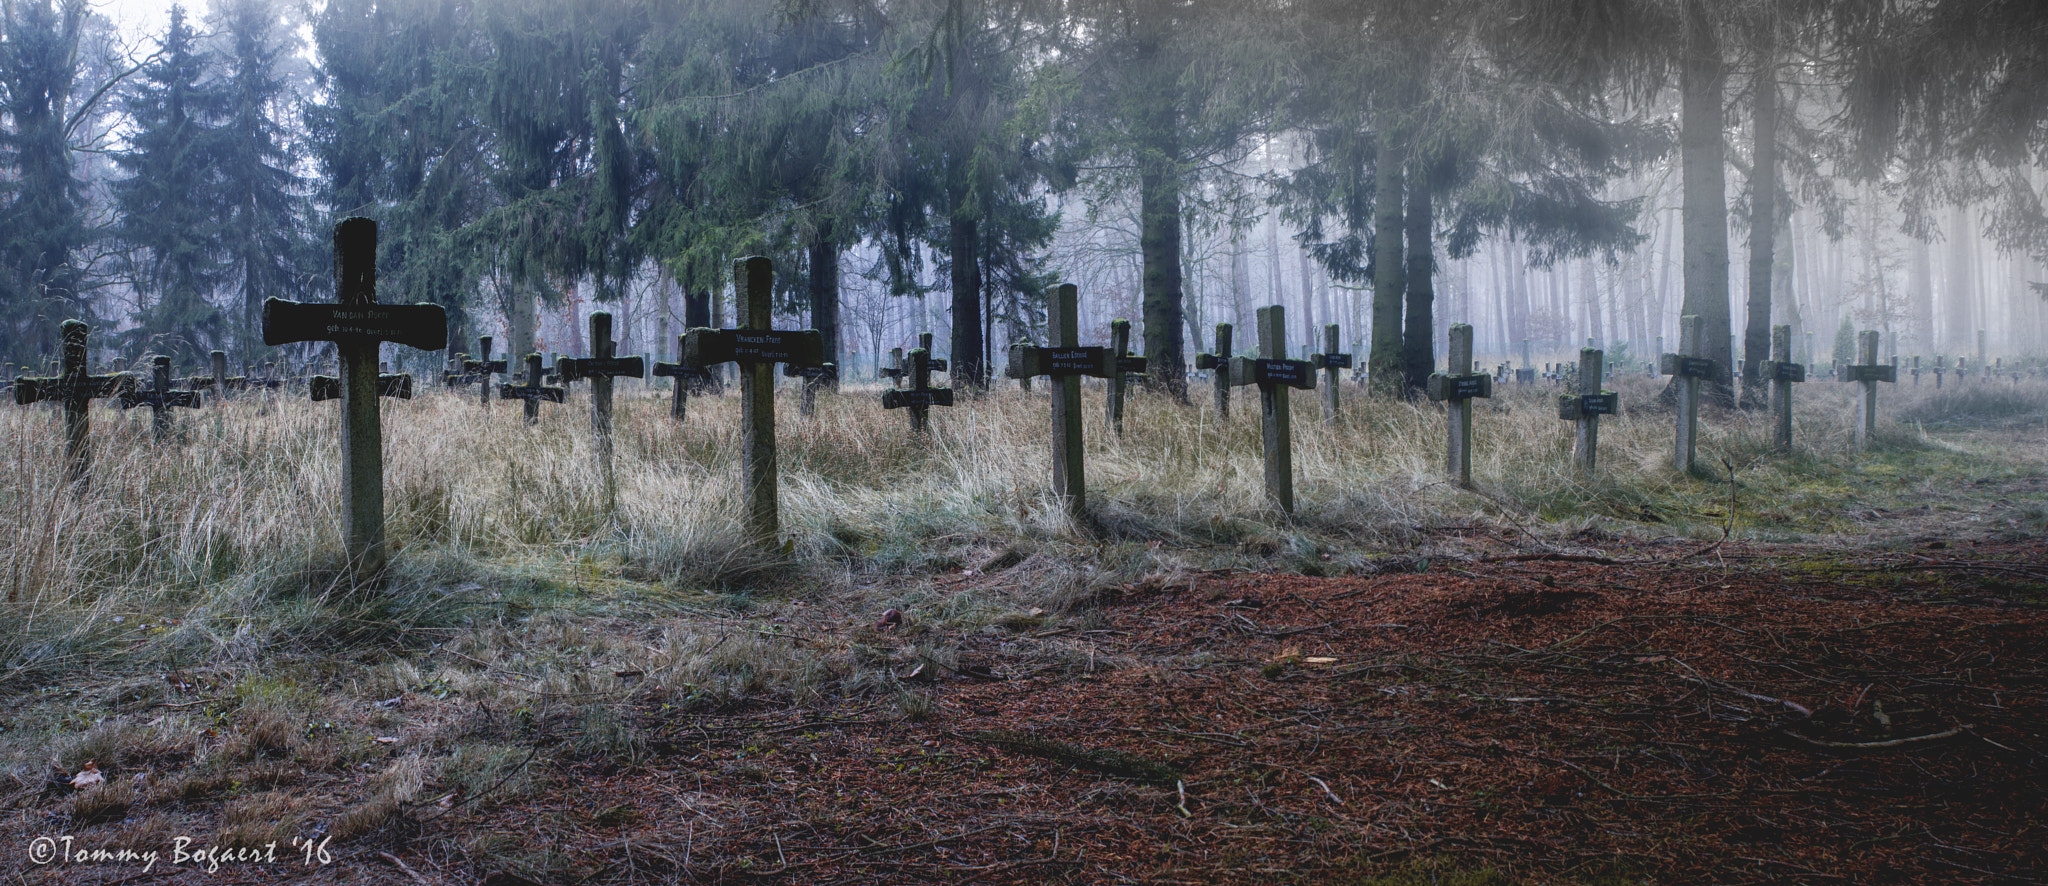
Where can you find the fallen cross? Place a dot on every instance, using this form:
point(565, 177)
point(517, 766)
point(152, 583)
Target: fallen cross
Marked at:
point(357, 325)
point(75, 390)
point(161, 398)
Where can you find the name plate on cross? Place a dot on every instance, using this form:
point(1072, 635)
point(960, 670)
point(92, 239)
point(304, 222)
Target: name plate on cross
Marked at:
point(581, 368)
point(327, 387)
point(419, 326)
point(1130, 365)
point(1884, 372)
point(1264, 371)
point(823, 374)
point(1687, 367)
point(1331, 361)
point(1460, 387)
point(1773, 370)
point(708, 347)
point(1572, 407)
point(898, 398)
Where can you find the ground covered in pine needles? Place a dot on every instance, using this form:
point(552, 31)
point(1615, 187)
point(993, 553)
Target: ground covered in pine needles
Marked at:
point(1597, 711)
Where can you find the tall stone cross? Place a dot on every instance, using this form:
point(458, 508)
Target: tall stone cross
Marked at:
point(1585, 408)
point(1782, 373)
point(920, 397)
point(601, 367)
point(756, 346)
point(536, 390)
point(1219, 363)
point(75, 389)
point(1868, 372)
point(1065, 361)
point(1457, 389)
point(160, 398)
point(1330, 361)
point(1274, 374)
point(1687, 369)
point(357, 325)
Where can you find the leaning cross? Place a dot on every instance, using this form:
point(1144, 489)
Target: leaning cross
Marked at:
point(1782, 373)
point(357, 325)
point(1329, 361)
point(600, 368)
point(920, 397)
point(1219, 363)
point(756, 347)
point(1869, 372)
point(1456, 390)
point(1687, 368)
point(1065, 361)
point(1274, 374)
point(160, 398)
point(1585, 408)
point(76, 390)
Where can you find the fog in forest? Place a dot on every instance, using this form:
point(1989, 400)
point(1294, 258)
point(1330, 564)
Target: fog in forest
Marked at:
point(1553, 173)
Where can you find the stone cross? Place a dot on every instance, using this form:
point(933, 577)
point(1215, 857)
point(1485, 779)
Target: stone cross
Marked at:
point(1868, 372)
point(534, 392)
point(1120, 349)
point(219, 382)
point(1585, 408)
point(1274, 374)
point(1329, 361)
point(688, 378)
point(815, 377)
point(1456, 390)
point(1916, 370)
point(484, 368)
point(1782, 373)
point(756, 347)
point(1219, 363)
point(601, 367)
point(76, 390)
point(1065, 361)
point(920, 396)
point(160, 398)
point(1940, 368)
point(357, 325)
point(1688, 368)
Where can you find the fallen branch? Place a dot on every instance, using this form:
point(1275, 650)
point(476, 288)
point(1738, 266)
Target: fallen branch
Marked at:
point(1878, 745)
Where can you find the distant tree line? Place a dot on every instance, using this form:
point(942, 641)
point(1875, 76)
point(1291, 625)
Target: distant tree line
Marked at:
point(516, 150)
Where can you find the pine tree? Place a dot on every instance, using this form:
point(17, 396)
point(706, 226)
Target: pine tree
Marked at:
point(42, 206)
point(267, 248)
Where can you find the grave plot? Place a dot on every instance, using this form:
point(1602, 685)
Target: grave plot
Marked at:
point(1585, 408)
point(357, 325)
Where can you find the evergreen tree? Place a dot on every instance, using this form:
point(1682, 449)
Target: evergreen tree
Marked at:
point(169, 205)
point(267, 249)
point(1845, 343)
point(42, 207)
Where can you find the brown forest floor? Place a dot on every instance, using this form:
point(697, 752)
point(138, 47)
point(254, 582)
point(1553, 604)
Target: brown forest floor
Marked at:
point(1656, 713)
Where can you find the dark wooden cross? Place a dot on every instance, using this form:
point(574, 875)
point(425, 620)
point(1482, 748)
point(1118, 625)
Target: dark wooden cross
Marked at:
point(1273, 373)
point(358, 325)
point(1219, 364)
point(1329, 361)
point(600, 368)
point(1868, 372)
point(1119, 381)
point(219, 382)
point(815, 377)
point(484, 368)
point(534, 392)
point(1688, 369)
point(1065, 361)
point(1457, 389)
point(688, 379)
point(160, 398)
point(76, 390)
point(756, 347)
point(1782, 373)
point(1585, 407)
point(920, 397)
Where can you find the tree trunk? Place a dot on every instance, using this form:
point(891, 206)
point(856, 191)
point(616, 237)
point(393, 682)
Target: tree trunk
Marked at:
point(1159, 246)
point(1702, 79)
point(963, 239)
point(1389, 281)
point(1418, 332)
point(824, 290)
point(1763, 229)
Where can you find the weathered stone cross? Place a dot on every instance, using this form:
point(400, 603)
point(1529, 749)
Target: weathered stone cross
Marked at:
point(1457, 389)
point(1329, 361)
point(687, 378)
point(1274, 374)
point(920, 397)
point(1782, 373)
point(357, 325)
point(1219, 363)
point(1868, 372)
point(1687, 368)
point(160, 398)
point(76, 390)
point(600, 368)
point(1586, 407)
point(1065, 361)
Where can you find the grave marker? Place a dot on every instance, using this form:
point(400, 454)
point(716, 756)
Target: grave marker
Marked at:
point(536, 390)
point(756, 347)
point(1120, 346)
point(1065, 361)
point(1688, 368)
point(920, 396)
point(161, 398)
point(76, 390)
point(601, 367)
point(688, 378)
point(485, 367)
point(1219, 363)
point(1782, 373)
point(1585, 408)
point(814, 377)
point(357, 325)
point(1868, 372)
point(1457, 392)
point(219, 382)
point(1274, 374)
point(1329, 361)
